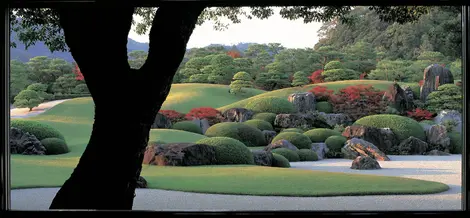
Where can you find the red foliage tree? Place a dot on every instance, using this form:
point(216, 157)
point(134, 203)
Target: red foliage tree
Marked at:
point(363, 75)
point(173, 115)
point(421, 82)
point(234, 54)
point(211, 114)
point(78, 73)
point(321, 93)
point(359, 101)
point(316, 77)
point(419, 114)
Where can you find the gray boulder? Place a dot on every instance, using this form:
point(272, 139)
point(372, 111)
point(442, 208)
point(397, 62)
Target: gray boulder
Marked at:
point(437, 153)
point(204, 124)
point(365, 163)
point(358, 147)
point(384, 138)
point(434, 76)
point(237, 115)
point(303, 102)
point(321, 149)
point(280, 144)
point(161, 122)
point(25, 143)
point(437, 138)
point(336, 119)
point(141, 182)
point(263, 158)
point(451, 115)
point(269, 135)
point(412, 146)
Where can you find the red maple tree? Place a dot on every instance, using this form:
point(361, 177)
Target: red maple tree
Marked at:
point(234, 54)
point(173, 115)
point(421, 82)
point(78, 73)
point(358, 101)
point(316, 77)
point(321, 93)
point(419, 114)
point(211, 114)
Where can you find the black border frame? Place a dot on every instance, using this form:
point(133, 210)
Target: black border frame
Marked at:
point(5, 176)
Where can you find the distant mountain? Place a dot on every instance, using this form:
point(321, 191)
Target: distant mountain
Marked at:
point(40, 49)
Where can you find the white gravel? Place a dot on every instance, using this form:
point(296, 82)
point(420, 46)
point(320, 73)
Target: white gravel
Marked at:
point(445, 169)
point(41, 108)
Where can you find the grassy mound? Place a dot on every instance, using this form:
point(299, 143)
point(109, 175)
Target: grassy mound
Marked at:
point(307, 155)
point(268, 117)
point(55, 146)
point(259, 124)
point(334, 144)
point(403, 127)
point(320, 134)
point(284, 93)
point(38, 129)
point(300, 141)
point(324, 106)
point(280, 161)
point(188, 126)
point(248, 135)
point(290, 155)
point(293, 130)
point(271, 105)
point(229, 151)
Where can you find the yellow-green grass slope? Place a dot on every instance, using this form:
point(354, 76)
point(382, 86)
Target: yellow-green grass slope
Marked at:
point(74, 119)
point(336, 86)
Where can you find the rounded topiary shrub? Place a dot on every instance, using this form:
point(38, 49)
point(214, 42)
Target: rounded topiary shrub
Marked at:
point(300, 141)
point(187, 126)
point(307, 155)
point(38, 129)
point(229, 150)
point(280, 161)
point(447, 97)
point(320, 134)
point(259, 124)
point(455, 143)
point(429, 122)
point(271, 104)
point(324, 106)
point(268, 117)
point(403, 127)
point(290, 155)
point(248, 135)
point(55, 146)
point(335, 143)
point(293, 130)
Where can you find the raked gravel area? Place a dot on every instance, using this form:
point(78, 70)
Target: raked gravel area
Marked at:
point(445, 169)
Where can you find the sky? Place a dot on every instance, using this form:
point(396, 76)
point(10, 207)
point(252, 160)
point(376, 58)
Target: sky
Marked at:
point(275, 29)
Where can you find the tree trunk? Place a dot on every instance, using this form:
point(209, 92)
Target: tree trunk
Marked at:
point(107, 173)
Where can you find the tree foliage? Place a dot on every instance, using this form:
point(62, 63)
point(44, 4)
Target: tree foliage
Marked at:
point(27, 99)
point(240, 80)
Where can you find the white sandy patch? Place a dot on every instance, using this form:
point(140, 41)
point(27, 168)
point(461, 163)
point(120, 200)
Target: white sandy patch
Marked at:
point(24, 112)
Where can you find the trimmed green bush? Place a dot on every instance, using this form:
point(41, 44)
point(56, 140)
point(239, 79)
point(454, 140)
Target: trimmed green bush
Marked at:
point(324, 106)
point(271, 104)
point(403, 127)
point(429, 122)
point(293, 130)
point(268, 117)
point(229, 150)
point(248, 135)
point(55, 146)
point(259, 124)
point(300, 141)
point(38, 129)
point(280, 161)
point(187, 126)
point(335, 143)
point(447, 97)
point(290, 155)
point(307, 155)
point(320, 134)
point(455, 142)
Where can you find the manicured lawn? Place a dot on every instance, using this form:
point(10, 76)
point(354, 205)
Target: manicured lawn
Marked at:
point(284, 93)
point(74, 120)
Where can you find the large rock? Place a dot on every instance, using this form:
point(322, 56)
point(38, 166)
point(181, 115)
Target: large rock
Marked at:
point(303, 121)
point(180, 154)
point(437, 138)
point(383, 138)
point(437, 153)
point(321, 149)
point(399, 99)
point(450, 115)
point(263, 158)
point(281, 144)
point(336, 119)
point(358, 147)
point(412, 146)
point(237, 115)
point(25, 143)
point(408, 92)
point(269, 135)
point(434, 76)
point(365, 163)
point(204, 124)
point(161, 122)
point(141, 182)
point(303, 102)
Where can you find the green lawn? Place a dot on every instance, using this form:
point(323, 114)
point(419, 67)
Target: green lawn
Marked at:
point(284, 93)
point(74, 120)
